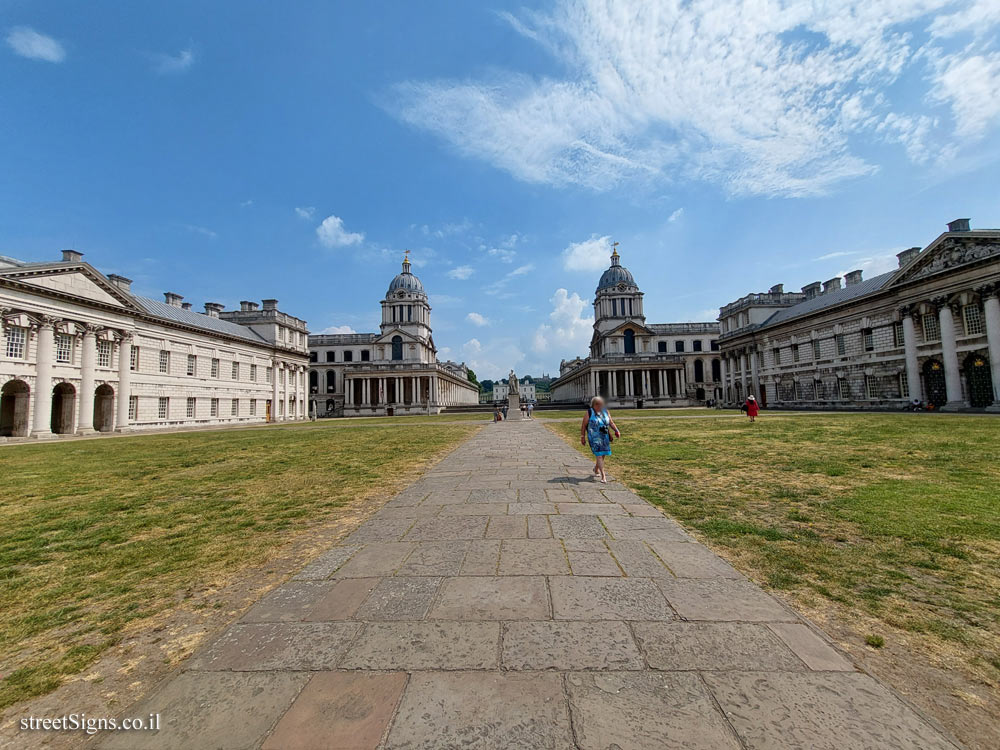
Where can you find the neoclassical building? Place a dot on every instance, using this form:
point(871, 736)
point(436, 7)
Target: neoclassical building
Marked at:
point(930, 330)
point(501, 390)
point(395, 371)
point(81, 354)
point(635, 364)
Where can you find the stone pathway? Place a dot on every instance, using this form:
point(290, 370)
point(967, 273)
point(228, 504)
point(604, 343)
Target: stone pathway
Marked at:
point(506, 600)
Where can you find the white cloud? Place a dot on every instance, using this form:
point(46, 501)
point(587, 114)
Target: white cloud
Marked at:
point(338, 329)
point(461, 272)
point(247, 203)
point(505, 255)
point(589, 255)
point(498, 287)
point(200, 230)
point(166, 63)
point(472, 347)
point(305, 212)
point(476, 319)
point(522, 270)
point(837, 254)
point(676, 215)
point(29, 43)
point(569, 330)
point(761, 98)
point(492, 359)
point(332, 234)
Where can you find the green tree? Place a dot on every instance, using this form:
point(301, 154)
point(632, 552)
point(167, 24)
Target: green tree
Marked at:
point(472, 379)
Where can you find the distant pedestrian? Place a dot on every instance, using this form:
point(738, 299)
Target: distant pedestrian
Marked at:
point(596, 429)
point(497, 416)
point(505, 407)
point(751, 407)
point(531, 408)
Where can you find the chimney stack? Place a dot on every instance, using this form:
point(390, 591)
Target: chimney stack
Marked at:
point(907, 255)
point(121, 282)
point(247, 306)
point(71, 256)
point(212, 309)
point(959, 225)
point(185, 305)
point(270, 304)
point(832, 285)
point(172, 299)
point(777, 289)
point(811, 290)
point(852, 277)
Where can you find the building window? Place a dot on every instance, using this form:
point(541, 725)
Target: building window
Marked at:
point(795, 352)
point(236, 407)
point(844, 389)
point(797, 390)
point(253, 407)
point(841, 344)
point(661, 346)
point(190, 408)
point(313, 356)
point(904, 385)
point(365, 355)
point(133, 408)
point(268, 374)
point(253, 373)
point(331, 381)
point(871, 387)
point(972, 317)
point(931, 326)
point(816, 349)
point(777, 355)
point(630, 306)
point(16, 338)
point(868, 339)
point(213, 408)
point(64, 347)
point(697, 345)
point(348, 356)
point(678, 346)
point(164, 361)
point(133, 358)
point(164, 407)
point(409, 313)
point(104, 354)
point(614, 308)
point(215, 367)
point(397, 347)
point(714, 346)
point(236, 370)
point(192, 368)
point(897, 334)
point(629, 341)
point(331, 356)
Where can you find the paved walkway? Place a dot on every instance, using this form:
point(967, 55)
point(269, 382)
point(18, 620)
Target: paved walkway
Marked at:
point(506, 600)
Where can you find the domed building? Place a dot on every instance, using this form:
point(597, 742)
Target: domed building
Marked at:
point(635, 364)
point(395, 371)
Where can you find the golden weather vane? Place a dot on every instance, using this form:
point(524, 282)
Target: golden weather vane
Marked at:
point(614, 248)
point(406, 256)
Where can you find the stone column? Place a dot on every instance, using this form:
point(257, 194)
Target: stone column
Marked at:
point(743, 373)
point(124, 381)
point(754, 375)
point(910, 353)
point(348, 391)
point(949, 353)
point(991, 311)
point(88, 361)
point(612, 384)
point(45, 343)
point(274, 390)
point(682, 386)
point(723, 372)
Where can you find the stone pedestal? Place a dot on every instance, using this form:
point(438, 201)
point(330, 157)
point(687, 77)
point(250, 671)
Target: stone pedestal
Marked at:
point(513, 406)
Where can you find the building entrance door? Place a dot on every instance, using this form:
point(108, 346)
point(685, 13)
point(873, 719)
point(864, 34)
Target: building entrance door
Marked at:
point(934, 385)
point(979, 380)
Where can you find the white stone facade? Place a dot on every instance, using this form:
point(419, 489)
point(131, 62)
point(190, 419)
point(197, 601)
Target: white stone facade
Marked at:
point(633, 363)
point(81, 354)
point(929, 330)
point(526, 392)
point(392, 372)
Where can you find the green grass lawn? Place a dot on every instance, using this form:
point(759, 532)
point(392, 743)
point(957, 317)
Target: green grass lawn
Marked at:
point(96, 535)
point(893, 521)
point(681, 411)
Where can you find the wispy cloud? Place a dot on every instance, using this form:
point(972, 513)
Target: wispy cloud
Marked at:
point(477, 320)
point(461, 272)
point(498, 288)
point(763, 99)
point(676, 215)
point(305, 212)
point(205, 231)
point(247, 203)
point(331, 233)
point(837, 254)
point(338, 329)
point(27, 42)
point(176, 63)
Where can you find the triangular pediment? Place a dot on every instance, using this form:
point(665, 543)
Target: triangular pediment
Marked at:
point(640, 330)
point(386, 338)
point(81, 282)
point(946, 253)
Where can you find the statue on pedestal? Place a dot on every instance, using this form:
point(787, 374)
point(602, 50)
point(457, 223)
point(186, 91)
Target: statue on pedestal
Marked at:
point(512, 383)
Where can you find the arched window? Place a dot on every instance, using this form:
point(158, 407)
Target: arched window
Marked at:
point(699, 371)
point(716, 371)
point(313, 379)
point(629, 341)
point(331, 381)
point(397, 347)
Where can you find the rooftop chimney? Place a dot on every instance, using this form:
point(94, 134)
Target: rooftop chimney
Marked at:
point(121, 282)
point(852, 277)
point(907, 255)
point(832, 285)
point(270, 304)
point(247, 306)
point(212, 309)
point(811, 290)
point(72, 256)
point(185, 305)
point(959, 225)
point(777, 289)
point(172, 299)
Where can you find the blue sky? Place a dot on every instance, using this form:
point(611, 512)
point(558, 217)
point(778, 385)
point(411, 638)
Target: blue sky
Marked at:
point(230, 151)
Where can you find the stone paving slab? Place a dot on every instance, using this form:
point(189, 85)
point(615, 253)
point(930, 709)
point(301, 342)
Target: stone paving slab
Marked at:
point(508, 600)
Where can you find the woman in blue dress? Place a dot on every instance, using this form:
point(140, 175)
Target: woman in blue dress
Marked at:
point(596, 429)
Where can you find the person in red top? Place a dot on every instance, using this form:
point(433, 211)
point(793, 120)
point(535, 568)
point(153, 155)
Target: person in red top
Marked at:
point(751, 407)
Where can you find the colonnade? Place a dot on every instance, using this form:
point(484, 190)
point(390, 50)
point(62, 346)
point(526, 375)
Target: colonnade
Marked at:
point(289, 401)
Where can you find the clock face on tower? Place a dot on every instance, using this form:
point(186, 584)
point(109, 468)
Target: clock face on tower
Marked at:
point(621, 287)
point(401, 294)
